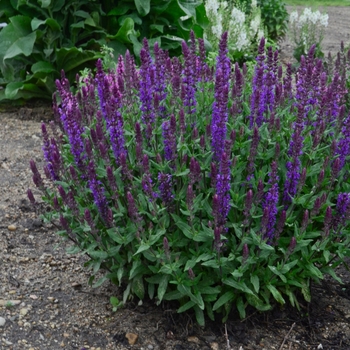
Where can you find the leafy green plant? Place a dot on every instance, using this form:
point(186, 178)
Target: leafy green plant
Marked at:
point(222, 189)
point(44, 37)
point(275, 18)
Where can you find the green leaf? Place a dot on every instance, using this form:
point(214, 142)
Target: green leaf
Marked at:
point(241, 307)
point(138, 287)
point(185, 229)
point(142, 248)
point(315, 272)
point(45, 3)
point(238, 285)
point(228, 296)
point(125, 31)
point(276, 294)
point(157, 27)
point(143, 6)
point(199, 315)
point(42, 67)
point(306, 292)
point(163, 285)
point(278, 273)
point(23, 45)
point(100, 282)
point(187, 306)
point(71, 58)
point(98, 254)
point(254, 279)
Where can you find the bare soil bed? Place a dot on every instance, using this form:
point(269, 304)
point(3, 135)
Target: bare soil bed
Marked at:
point(46, 303)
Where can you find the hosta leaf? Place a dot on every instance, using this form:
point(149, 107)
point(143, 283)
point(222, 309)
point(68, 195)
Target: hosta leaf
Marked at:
point(143, 6)
point(23, 45)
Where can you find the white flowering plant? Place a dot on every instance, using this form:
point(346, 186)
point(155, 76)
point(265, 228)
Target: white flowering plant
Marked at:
point(306, 30)
point(242, 21)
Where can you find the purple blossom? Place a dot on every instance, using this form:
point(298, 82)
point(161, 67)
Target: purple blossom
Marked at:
point(98, 192)
point(271, 201)
point(132, 210)
point(146, 86)
point(37, 179)
point(169, 140)
point(223, 187)
point(189, 80)
point(166, 189)
point(252, 154)
point(342, 209)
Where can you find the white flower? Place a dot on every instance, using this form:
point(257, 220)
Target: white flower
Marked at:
point(242, 40)
point(293, 17)
point(324, 20)
point(254, 3)
point(237, 16)
point(212, 5)
point(224, 5)
point(3, 25)
point(217, 28)
point(260, 34)
point(255, 24)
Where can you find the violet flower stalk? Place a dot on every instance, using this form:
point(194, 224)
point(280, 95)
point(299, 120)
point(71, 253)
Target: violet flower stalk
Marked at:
point(343, 211)
point(169, 139)
point(223, 187)
point(146, 86)
point(98, 193)
point(293, 165)
point(166, 189)
point(189, 81)
point(271, 201)
point(220, 107)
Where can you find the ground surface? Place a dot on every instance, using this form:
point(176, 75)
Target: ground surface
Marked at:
point(47, 304)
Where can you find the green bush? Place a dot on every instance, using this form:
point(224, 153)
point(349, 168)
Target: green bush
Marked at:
point(44, 37)
point(275, 18)
point(220, 190)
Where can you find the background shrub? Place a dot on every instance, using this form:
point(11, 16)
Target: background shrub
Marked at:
point(275, 17)
point(220, 190)
point(43, 37)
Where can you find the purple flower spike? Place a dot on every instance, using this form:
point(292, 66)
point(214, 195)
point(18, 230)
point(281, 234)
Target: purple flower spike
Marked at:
point(342, 209)
point(169, 140)
point(146, 86)
point(166, 189)
point(327, 221)
point(245, 253)
point(223, 186)
point(97, 192)
point(31, 196)
point(37, 179)
point(292, 245)
point(271, 202)
point(132, 210)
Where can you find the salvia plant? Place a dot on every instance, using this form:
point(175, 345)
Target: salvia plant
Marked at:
point(221, 189)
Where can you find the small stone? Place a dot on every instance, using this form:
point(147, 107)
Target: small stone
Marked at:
point(12, 227)
point(2, 321)
point(214, 346)
point(62, 344)
point(150, 347)
point(23, 311)
point(66, 335)
point(34, 297)
point(132, 338)
point(193, 339)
